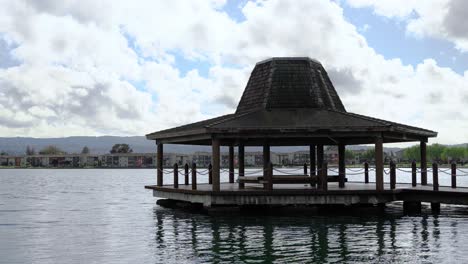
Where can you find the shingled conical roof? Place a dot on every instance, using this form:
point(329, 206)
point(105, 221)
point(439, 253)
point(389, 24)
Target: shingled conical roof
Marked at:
point(291, 101)
point(289, 83)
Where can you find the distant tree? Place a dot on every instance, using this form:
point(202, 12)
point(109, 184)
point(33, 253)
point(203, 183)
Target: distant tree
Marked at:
point(85, 150)
point(121, 148)
point(30, 151)
point(369, 154)
point(51, 150)
point(412, 153)
point(349, 154)
point(3, 153)
point(454, 153)
point(434, 152)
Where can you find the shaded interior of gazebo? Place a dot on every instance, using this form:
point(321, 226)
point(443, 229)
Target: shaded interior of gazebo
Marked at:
point(290, 102)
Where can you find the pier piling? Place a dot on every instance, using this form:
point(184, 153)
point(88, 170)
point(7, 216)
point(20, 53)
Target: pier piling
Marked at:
point(392, 175)
point(176, 176)
point(454, 174)
point(194, 176)
point(210, 174)
point(435, 176)
point(413, 173)
point(186, 180)
point(366, 172)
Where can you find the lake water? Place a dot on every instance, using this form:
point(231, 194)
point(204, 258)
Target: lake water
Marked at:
point(106, 216)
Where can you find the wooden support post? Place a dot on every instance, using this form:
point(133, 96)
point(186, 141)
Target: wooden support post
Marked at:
point(268, 179)
point(210, 174)
point(392, 175)
point(305, 169)
point(266, 158)
point(435, 176)
point(366, 172)
point(231, 164)
point(324, 176)
point(215, 145)
point(240, 156)
point(194, 176)
point(176, 176)
point(319, 164)
point(454, 174)
point(186, 174)
point(341, 165)
point(159, 163)
point(413, 173)
point(313, 163)
point(423, 163)
point(379, 170)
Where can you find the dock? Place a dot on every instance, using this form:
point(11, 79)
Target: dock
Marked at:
point(292, 102)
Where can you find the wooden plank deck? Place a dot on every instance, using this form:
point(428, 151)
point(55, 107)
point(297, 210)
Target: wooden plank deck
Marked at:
point(285, 194)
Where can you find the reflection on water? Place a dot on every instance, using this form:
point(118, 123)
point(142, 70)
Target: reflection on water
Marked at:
point(391, 237)
point(105, 216)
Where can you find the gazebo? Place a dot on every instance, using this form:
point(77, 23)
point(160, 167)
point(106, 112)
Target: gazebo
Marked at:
point(290, 102)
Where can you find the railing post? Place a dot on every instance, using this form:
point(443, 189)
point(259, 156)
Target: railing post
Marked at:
point(194, 176)
point(435, 176)
point(305, 169)
point(413, 173)
point(324, 174)
point(366, 172)
point(176, 176)
point(454, 174)
point(392, 175)
point(186, 182)
point(210, 174)
point(268, 185)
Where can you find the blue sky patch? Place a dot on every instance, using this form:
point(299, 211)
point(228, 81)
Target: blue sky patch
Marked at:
point(389, 38)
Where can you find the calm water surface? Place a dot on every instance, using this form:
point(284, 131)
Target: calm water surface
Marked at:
point(105, 216)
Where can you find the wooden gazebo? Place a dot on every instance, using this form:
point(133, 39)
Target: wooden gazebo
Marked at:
point(290, 102)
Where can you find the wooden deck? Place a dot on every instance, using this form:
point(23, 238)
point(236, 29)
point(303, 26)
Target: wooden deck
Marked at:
point(304, 194)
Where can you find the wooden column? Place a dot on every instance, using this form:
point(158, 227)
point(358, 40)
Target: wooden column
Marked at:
point(324, 176)
point(341, 165)
point(435, 176)
point(319, 163)
point(186, 180)
point(366, 172)
point(305, 169)
point(379, 173)
point(423, 163)
point(268, 179)
point(210, 174)
point(266, 158)
point(231, 164)
point(194, 176)
point(241, 159)
point(313, 164)
point(159, 164)
point(215, 146)
point(392, 175)
point(176, 176)
point(413, 173)
point(454, 174)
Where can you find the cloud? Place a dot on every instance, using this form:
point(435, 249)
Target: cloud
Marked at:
point(443, 19)
point(77, 62)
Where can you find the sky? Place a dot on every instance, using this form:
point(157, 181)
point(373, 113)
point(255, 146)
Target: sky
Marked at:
point(91, 68)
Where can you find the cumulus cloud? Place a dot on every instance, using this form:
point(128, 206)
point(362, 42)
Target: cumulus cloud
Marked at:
point(444, 19)
point(86, 68)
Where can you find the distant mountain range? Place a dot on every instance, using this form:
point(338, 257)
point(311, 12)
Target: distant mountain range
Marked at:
point(102, 145)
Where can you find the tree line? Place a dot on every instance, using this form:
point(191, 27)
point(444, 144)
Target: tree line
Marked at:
point(54, 150)
point(438, 153)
